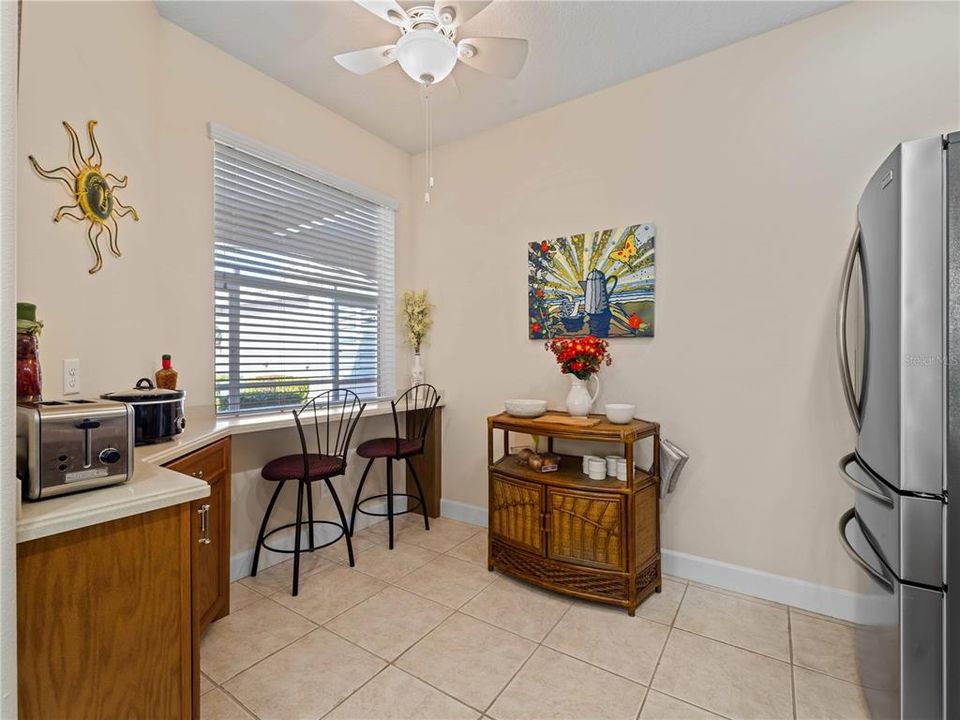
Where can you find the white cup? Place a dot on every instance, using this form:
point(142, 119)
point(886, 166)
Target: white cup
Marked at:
point(597, 469)
point(612, 461)
point(586, 463)
point(622, 469)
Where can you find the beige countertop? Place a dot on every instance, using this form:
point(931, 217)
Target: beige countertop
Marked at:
point(152, 487)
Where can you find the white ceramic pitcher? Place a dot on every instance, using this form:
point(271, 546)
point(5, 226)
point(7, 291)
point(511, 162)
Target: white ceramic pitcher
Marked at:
point(579, 399)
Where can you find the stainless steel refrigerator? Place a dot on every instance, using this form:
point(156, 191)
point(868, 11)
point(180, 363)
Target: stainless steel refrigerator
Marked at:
point(900, 367)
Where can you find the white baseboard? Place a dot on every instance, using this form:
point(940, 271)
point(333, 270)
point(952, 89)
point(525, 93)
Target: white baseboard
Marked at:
point(472, 514)
point(822, 599)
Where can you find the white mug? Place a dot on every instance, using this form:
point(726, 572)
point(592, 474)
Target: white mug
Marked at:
point(586, 463)
point(622, 469)
point(612, 461)
point(597, 469)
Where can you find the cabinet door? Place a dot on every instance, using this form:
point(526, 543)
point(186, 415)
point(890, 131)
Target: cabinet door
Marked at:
point(211, 572)
point(586, 528)
point(516, 512)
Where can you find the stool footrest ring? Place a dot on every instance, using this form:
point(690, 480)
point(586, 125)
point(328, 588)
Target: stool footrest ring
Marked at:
point(415, 508)
point(304, 526)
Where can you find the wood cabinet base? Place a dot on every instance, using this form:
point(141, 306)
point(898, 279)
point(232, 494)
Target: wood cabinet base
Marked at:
point(612, 588)
point(104, 620)
point(593, 539)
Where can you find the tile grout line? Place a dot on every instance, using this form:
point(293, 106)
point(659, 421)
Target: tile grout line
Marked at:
point(732, 645)
point(656, 667)
point(793, 673)
point(539, 645)
point(356, 690)
point(662, 651)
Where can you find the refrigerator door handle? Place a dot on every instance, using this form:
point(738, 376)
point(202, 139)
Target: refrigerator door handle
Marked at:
point(848, 392)
point(875, 574)
point(859, 486)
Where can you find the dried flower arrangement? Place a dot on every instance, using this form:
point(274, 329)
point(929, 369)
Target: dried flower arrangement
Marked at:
point(416, 316)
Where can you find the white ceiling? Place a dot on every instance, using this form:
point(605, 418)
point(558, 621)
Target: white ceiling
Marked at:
point(575, 48)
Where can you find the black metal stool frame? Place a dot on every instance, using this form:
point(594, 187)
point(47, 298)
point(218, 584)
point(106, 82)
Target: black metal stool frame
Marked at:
point(342, 408)
point(423, 400)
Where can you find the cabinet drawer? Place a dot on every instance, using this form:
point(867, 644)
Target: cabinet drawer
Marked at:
point(205, 463)
point(586, 528)
point(516, 512)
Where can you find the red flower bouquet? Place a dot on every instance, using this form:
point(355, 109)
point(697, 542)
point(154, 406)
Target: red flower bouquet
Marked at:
point(580, 356)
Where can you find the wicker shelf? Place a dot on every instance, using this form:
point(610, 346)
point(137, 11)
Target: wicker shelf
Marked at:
point(593, 539)
point(569, 474)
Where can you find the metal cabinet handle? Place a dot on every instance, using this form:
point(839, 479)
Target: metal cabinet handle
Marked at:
point(855, 556)
point(198, 474)
point(859, 486)
point(204, 513)
point(848, 393)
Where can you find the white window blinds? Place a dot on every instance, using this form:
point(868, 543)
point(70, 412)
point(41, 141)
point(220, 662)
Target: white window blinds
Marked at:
point(304, 282)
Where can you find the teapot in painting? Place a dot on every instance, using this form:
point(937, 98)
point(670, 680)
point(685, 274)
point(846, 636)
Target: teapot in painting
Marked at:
point(596, 293)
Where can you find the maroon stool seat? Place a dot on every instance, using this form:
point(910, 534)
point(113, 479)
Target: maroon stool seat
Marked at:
point(388, 447)
point(290, 467)
point(339, 412)
point(418, 404)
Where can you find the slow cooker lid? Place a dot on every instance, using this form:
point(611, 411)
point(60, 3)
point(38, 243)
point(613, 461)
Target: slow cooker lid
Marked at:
point(144, 391)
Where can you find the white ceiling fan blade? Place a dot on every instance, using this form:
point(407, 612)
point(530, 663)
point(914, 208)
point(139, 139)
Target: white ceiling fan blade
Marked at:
point(388, 10)
point(444, 92)
point(503, 57)
point(454, 13)
point(366, 61)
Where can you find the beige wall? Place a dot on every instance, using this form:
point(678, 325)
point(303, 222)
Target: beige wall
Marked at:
point(750, 161)
point(153, 88)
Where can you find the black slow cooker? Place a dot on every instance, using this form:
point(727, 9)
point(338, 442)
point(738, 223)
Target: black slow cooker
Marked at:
point(158, 413)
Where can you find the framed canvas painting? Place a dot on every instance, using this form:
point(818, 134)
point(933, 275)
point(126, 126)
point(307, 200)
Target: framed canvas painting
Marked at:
point(600, 284)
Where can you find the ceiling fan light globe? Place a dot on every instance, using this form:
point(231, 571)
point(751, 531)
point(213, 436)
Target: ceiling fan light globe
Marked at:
point(426, 55)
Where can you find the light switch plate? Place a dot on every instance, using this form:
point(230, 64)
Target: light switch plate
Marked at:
point(71, 377)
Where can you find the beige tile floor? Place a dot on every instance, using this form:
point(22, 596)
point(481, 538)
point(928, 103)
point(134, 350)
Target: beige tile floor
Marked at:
point(426, 632)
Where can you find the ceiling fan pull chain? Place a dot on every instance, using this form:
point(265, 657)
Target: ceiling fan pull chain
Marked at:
point(428, 136)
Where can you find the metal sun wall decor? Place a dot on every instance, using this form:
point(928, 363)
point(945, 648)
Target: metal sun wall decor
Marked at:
point(602, 285)
point(92, 192)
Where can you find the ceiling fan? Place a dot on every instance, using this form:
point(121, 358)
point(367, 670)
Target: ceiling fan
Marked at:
point(428, 50)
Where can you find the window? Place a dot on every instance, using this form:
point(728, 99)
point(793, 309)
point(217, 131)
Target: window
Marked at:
point(304, 281)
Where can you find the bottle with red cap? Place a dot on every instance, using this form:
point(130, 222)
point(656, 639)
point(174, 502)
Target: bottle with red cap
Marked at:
point(166, 376)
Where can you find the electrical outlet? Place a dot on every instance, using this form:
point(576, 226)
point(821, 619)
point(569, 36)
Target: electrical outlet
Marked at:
point(71, 377)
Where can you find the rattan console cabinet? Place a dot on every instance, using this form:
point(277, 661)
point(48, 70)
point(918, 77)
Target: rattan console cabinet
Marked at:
point(593, 539)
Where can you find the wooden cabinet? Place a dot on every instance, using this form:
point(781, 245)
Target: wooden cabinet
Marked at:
point(586, 528)
point(516, 512)
point(595, 539)
point(210, 531)
point(109, 616)
point(209, 544)
point(104, 622)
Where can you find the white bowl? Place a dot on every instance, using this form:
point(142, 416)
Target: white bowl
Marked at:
point(525, 408)
point(619, 413)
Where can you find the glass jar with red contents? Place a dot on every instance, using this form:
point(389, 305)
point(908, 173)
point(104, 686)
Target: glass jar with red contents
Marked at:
point(28, 354)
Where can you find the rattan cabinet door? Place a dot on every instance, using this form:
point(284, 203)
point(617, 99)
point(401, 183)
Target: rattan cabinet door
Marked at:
point(516, 512)
point(585, 528)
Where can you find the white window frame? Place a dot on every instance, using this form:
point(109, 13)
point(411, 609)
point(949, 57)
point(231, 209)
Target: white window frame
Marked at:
point(386, 302)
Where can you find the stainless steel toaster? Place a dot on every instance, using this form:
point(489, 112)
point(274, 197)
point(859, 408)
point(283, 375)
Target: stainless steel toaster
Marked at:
point(65, 446)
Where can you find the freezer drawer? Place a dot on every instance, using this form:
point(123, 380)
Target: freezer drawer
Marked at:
point(899, 636)
point(906, 530)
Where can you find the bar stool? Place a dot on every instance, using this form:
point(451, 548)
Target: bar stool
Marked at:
point(339, 411)
point(418, 404)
